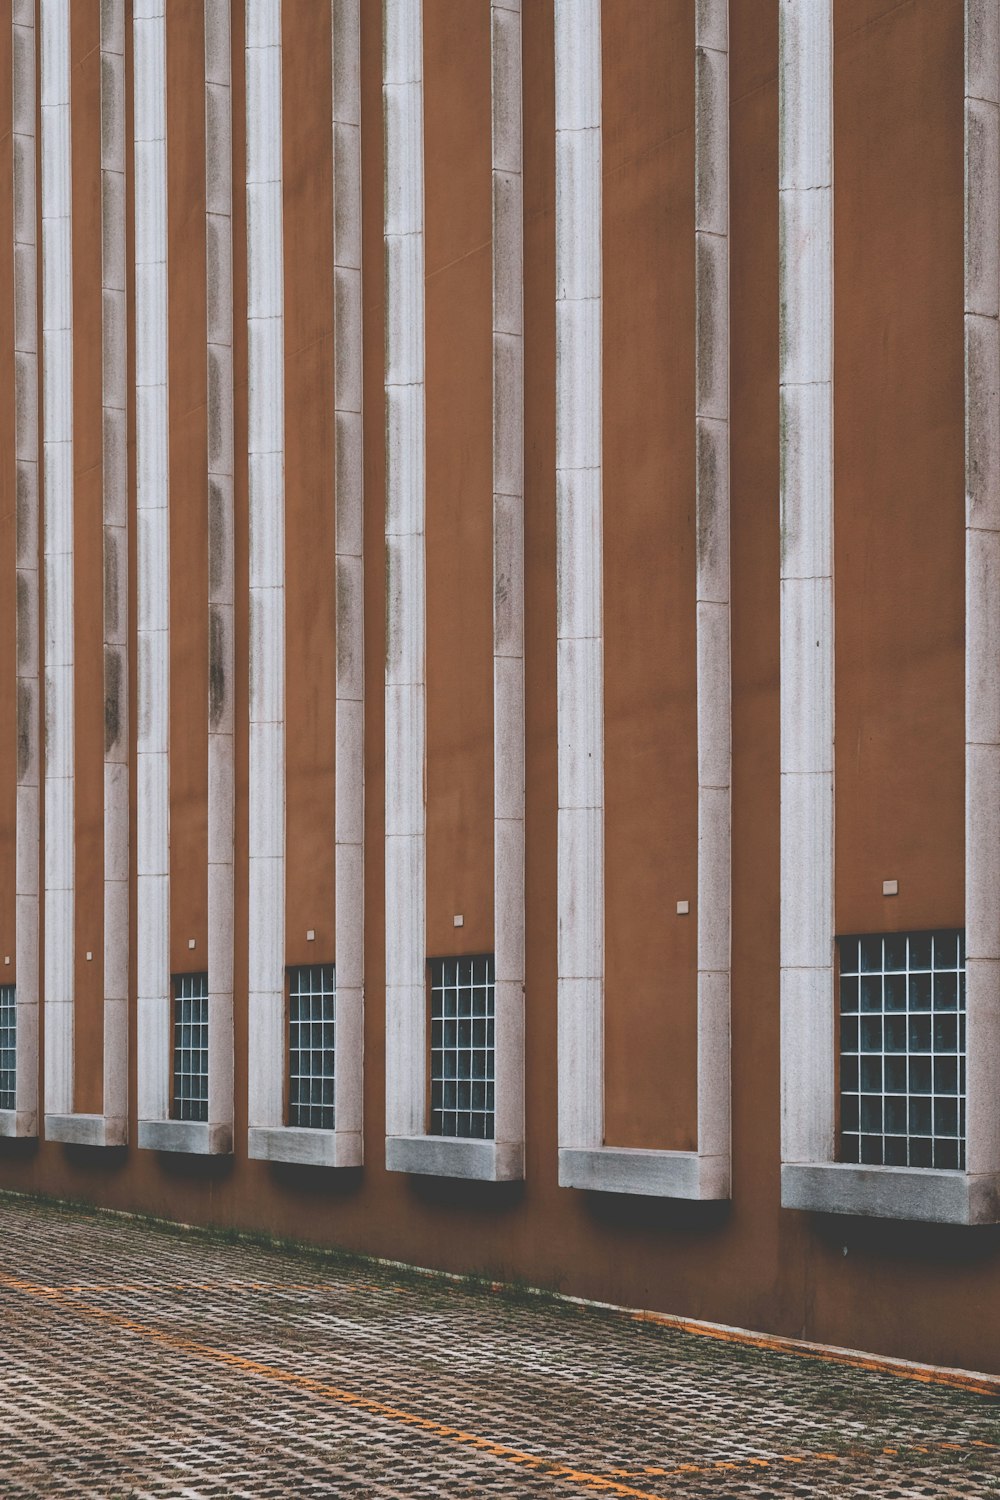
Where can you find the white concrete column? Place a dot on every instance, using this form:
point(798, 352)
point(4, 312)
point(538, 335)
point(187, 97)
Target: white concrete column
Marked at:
point(349, 501)
point(807, 667)
point(405, 670)
point(24, 1118)
point(62, 1122)
point(508, 571)
point(982, 603)
point(153, 547)
point(712, 583)
point(221, 662)
point(116, 572)
point(57, 338)
point(579, 522)
point(266, 425)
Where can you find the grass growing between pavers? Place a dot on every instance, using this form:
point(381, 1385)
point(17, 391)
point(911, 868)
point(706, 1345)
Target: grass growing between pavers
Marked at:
point(484, 1282)
point(527, 1391)
point(492, 1282)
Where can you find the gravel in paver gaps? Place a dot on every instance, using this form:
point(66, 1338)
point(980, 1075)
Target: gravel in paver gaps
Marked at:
point(90, 1407)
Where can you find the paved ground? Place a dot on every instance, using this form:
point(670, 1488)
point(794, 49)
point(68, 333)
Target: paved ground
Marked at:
point(139, 1362)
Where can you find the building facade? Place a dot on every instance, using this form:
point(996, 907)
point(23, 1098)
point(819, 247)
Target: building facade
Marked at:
point(500, 640)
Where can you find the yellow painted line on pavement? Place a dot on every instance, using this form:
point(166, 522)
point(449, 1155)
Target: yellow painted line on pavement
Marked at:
point(980, 1383)
point(238, 1288)
point(200, 1286)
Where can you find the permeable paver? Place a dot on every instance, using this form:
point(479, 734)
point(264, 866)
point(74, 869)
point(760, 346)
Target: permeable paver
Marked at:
point(139, 1362)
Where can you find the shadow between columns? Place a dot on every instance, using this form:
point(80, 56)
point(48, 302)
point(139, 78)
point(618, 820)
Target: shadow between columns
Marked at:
point(193, 1167)
point(19, 1147)
point(636, 1211)
point(466, 1193)
point(912, 1242)
point(317, 1182)
point(100, 1160)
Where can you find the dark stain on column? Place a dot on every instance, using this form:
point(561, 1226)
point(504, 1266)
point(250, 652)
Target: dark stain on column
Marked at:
point(113, 686)
point(217, 681)
point(26, 712)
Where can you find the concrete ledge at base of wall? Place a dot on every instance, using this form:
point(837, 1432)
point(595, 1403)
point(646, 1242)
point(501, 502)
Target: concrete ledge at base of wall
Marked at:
point(450, 1156)
point(309, 1148)
point(921, 1194)
point(193, 1137)
point(86, 1130)
point(653, 1174)
point(20, 1123)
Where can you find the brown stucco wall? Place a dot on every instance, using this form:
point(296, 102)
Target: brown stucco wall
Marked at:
point(188, 435)
point(88, 547)
point(650, 729)
point(899, 465)
point(926, 1293)
point(310, 639)
point(459, 516)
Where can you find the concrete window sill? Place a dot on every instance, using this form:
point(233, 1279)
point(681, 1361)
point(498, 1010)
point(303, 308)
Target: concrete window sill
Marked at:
point(86, 1130)
point(915, 1193)
point(304, 1147)
point(448, 1156)
point(22, 1123)
point(653, 1174)
point(192, 1137)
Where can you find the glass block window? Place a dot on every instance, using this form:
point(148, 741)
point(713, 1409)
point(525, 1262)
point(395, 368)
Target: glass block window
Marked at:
point(8, 1046)
point(191, 1047)
point(462, 992)
point(312, 994)
point(902, 1049)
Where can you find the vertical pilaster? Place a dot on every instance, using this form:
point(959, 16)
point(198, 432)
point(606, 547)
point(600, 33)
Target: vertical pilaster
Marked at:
point(57, 339)
point(579, 524)
point(982, 559)
point(266, 423)
point(409, 1148)
point(810, 1177)
point(221, 666)
point(153, 547)
point(508, 569)
point(405, 668)
point(28, 805)
point(712, 582)
point(586, 1159)
point(116, 571)
point(807, 647)
point(349, 583)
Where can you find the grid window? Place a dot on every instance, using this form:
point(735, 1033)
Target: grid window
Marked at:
point(8, 1046)
point(462, 1047)
point(312, 1002)
point(191, 1047)
point(902, 1049)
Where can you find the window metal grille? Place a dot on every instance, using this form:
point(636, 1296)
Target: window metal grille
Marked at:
point(8, 1046)
point(462, 995)
point(191, 1047)
point(311, 1046)
point(902, 1049)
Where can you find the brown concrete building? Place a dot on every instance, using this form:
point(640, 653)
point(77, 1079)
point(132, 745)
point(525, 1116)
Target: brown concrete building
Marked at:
point(500, 640)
